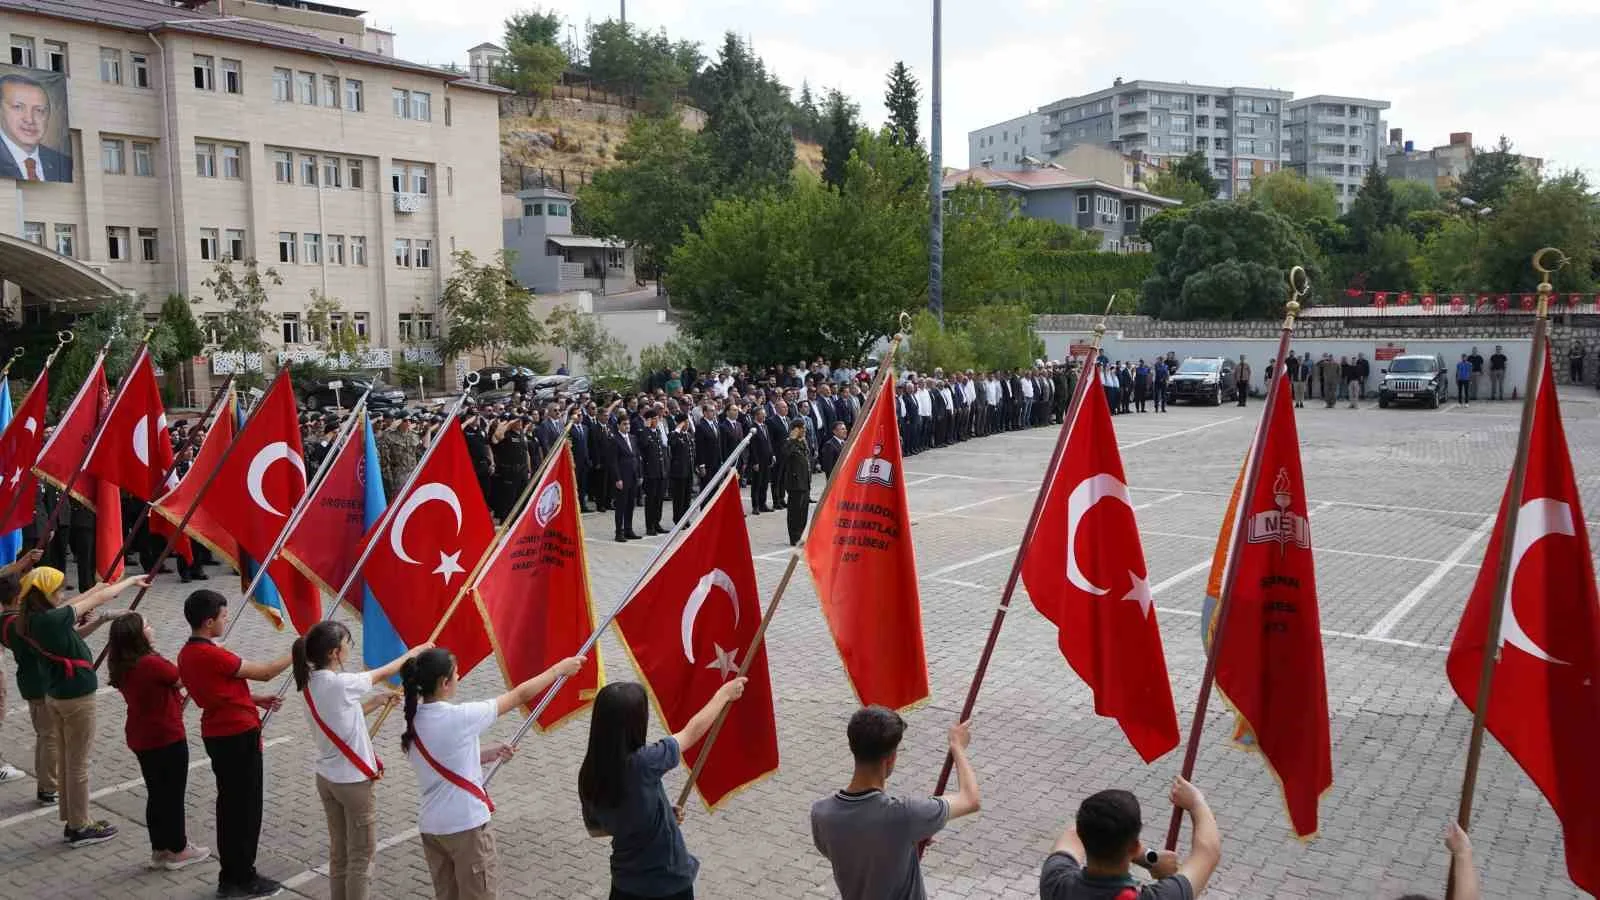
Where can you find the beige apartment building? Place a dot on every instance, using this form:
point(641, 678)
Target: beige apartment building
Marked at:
point(199, 137)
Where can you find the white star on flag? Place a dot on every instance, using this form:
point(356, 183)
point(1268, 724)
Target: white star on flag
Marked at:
point(1139, 589)
point(16, 478)
point(449, 565)
point(726, 662)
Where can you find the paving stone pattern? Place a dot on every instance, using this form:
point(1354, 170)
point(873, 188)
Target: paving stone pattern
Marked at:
point(1395, 493)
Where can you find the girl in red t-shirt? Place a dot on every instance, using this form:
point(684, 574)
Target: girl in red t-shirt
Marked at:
point(149, 683)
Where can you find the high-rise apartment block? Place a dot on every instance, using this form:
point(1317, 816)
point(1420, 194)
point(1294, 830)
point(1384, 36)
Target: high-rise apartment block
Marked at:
point(1337, 139)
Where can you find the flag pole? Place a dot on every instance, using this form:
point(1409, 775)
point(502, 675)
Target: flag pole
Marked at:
point(1299, 286)
point(63, 338)
point(713, 485)
point(1067, 422)
point(16, 354)
point(1503, 571)
point(874, 396)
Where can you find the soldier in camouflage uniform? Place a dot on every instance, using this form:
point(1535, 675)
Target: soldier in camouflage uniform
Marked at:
point(398, 453)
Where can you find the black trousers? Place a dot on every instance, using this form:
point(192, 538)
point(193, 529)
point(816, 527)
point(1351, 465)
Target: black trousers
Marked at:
point(620, 894)
point(505, 490)
point(655, 494)
point(1243, 392)
point(798, 501)
point(775, 482)
point(758, 490)
point(600, 489)
point(166, 778)
point(236, 760)
point(81, 540)
point(623, 502)
point(678, 489)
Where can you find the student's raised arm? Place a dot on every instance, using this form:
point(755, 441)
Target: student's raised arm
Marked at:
point(701, 723)
point(965, 801)
point(1205, 848)
point(524, 693)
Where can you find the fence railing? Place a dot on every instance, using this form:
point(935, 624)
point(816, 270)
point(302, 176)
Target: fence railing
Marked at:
point(520, 177)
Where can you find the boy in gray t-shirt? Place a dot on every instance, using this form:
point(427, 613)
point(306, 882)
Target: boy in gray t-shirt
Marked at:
point(871, 838)
point(1092, 859)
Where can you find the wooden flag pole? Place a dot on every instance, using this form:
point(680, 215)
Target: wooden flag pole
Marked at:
point(63, 338)
point(714, 483)
point(1503, 572)
point(874, 397)
point(1299, 286)
point(1067, 421)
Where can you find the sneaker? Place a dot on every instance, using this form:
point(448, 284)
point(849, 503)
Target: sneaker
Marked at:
point(190, 855)
point(93, 833)
point(157, 858)
point(47, 798)
point(11, 773)
point(258, 887)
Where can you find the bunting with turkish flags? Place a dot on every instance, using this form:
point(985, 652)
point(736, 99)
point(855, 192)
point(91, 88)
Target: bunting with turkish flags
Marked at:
point(19, 450)
point(133, 450)
point(686, 630)
point(1542, 703)
point(1269, 661)
point(1084, 570)
point(865, 568)
point(65, 451)
point(533, 592)
point(422, 554)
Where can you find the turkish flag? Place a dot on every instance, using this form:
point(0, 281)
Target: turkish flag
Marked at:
point(688, 629)
point(1543, 706)
point(1269, 660)
point(533, 591)
point(1095, 590)
point(426, 550)
point(864, 566)
point(19, 450)
point(171, 506)
point(66, 450)
point(133, 451)
point(326, 541)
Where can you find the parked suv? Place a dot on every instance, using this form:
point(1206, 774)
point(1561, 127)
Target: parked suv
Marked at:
point(319, 393)
point(1202, 379)
point(1414, 379)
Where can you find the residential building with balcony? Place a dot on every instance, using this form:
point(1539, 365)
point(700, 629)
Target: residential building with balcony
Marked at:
point(1441, 166)
point(1002, 147)
point(549, 259)
point(201, 140)
point(1337, 139)
point(1111, 211)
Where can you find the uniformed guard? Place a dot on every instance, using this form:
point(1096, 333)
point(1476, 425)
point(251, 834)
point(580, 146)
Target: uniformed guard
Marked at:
point(653, 465)
point(680, 465)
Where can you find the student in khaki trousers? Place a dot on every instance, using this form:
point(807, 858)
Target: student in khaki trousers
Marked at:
point(347, 769)
point(31, 680)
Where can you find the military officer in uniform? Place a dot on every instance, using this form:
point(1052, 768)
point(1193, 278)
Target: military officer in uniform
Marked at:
point(796, 479)
point(680, 465)
point(512, 466)
point(653, 468)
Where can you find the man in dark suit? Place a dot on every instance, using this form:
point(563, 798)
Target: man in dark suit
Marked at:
point(829, 454)
point(24, 121)
point(622, 467)
point(707, 446)
point(761, 461)
point(549, 430)
point(578, 439)
point(777, 433)
point(730, 433)
point(600, 489)
point(681, 465)
point(653, 467)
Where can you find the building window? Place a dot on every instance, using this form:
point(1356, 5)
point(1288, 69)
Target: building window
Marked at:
point(419, 180)
point(356, 175)
point(283, 85)
point(112, 160)
point(117, 249)
point(1083, 203)
point(232, 76)
point(331, 172)
point(232, 162)
point(290, 323)
point(559, 210)
point(55, 59)
point(286, 246)
point(1128, 212)
point(205, 74)
point(358, 250)
point(531, 209)
point(1266, 168)
point(210, 247)
point(402, 252)
point(421, 106)
point(335, 249)
point(424, 254)
point(22, 51)
point(149, 245)
point(308, 170)
point(416, 326)
point(33, 232)
point(401, 103)
point(447, 112)
point(450, 180)
point(205, 160)
point(330, 91)
point(361, 325)
point(235, 239)
point(110, 65)
point(397, 178)
point(313, 249)
point(305, 87)
point(66, 239)
point(283, 166)
point(353, 101)
point(143, 160)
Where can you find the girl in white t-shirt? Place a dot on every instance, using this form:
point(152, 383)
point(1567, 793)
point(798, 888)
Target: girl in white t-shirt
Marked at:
point(336, 705)
point(441, 741)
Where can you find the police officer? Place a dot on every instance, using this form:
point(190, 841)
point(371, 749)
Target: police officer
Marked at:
point(653, 468)
point(512, 466)
point(680, 465)
point(796, 479)
point(472, 429)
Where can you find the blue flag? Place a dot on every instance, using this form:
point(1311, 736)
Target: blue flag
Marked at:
point(10, 543)
point(380, 644)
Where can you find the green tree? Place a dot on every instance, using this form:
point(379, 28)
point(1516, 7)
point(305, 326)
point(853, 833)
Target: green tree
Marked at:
point(534, 26)
point(1289, 195)
point(1002, 337)
point(805, 119)
point(581, 334)
point(117, 323)
point(930, 345)
point(1490, 175)
point(747, 137)
point(657, 192)
point(244, 320)
point(1224, 260)
point(1169, 184)
point(901, 100)
point(485, 309)
point(1392, 262)
point(1450, 257)
point(325, 319)
point(183, 343)
point(530, 68)
point(1533, 213)
point(842, 133)
point(646, 65)
point(1372, 211)
point(1197, 171)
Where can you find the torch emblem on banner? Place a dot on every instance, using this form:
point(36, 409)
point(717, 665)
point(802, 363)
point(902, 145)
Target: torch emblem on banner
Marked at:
point(876, 468)
point(1280, 525)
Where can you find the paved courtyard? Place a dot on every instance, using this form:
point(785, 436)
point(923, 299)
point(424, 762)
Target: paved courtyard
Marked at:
point(1401, 503)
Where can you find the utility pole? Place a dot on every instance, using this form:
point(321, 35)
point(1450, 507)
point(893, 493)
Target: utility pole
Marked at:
point(936, 180)
point(624, 12)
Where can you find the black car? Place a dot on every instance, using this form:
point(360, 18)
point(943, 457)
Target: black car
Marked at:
point(505, 378)
point(319, 393)
point(1414, 379)
point(1202, 379)
point(567, 385)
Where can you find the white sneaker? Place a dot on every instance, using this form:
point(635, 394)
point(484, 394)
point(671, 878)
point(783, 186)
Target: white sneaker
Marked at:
point(188, 857)
point(11, 773)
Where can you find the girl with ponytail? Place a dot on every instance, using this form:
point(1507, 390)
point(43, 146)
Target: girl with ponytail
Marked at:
point(441, 741)
point(346, 768)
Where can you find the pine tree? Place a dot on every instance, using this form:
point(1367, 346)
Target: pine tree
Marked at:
point(901, 100)
point(807, 118)
point(842, 129)
point(747, 133)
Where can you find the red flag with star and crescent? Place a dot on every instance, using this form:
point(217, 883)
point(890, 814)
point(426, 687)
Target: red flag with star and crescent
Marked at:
point(423, 553)
point(326, 541)
point(133, 451)
point(865, 568)
point(19, 449)
point(1544, 707)
point(256, 489)
point(1085, 572)
point(1269, 661)
point(687, 631)
point(64, 452)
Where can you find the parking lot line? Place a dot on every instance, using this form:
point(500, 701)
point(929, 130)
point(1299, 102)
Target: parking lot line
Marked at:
point(966, 506)
point(1327, 632)
point(1161, 586)
point(1392, 618)
point(295, 881)
point(1173, 434)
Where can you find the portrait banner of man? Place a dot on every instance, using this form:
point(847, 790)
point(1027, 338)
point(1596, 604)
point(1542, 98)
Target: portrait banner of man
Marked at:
point(34, 141)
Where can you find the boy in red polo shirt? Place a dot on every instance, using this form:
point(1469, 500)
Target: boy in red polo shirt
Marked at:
point(230, 727)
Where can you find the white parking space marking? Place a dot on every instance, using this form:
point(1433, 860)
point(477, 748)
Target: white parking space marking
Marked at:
point(957, 566)
point(1347, 635)
point(1407, 603)
point(293, 882)
point(1161, 586)
point(1173, 434)
point(966, 506)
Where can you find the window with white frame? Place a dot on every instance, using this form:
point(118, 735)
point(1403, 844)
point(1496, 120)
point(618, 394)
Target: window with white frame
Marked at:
point(287, 246)
point(205, 72)
point(143, 159)
point(33, 232)
point(141, 70)
point(149, 245)
point(397, 179)
point(232, 76)
point(234, 238)
point(353, 100)
point(232, 161)
point(210, 245)
point(420, 176)
point(111, 65)
point(312, 244)
point(55, 59)
point(205, 159)
point(421, 106)
point(416, 326)
point(357, 173)
point(335, 249)
point(330, 91)
point(289, 323)
point(361, 323)
point(400, 101)
point(283, 166)
point(308, 170)
point(332, 172)
point(22, 51)
point(1083, 203)
point(305, 87)
point(402, 252)
point(423, 255)
point(282, 85)
point(67, 240)
point(117, 240)
point(112, 159)
point(358, 249)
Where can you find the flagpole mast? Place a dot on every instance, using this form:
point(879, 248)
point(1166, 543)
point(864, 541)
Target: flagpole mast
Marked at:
point(705, 493)
point(1299, 286)
point(1503, 571)
point(63, 338)
point(1006, 594)
point(16, 354)
point(874, 396)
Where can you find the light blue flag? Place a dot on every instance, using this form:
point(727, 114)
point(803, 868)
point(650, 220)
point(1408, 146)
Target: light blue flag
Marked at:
point(380, 644)
point(10, 543)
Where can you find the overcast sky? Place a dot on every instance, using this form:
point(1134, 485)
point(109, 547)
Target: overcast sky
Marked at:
point(1484, 66)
